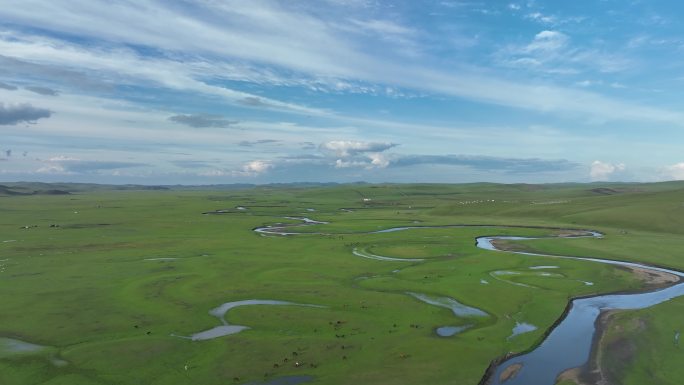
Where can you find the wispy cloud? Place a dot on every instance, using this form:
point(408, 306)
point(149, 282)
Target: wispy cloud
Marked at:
point(540, 17)
point(68, 165)
point(43, 90)
point(127, 66)
point(296, 43)
point(192, 164)
point(9, 87)
point(203, 121)
point(247, 143)
point(552, 52)
point(489, 163)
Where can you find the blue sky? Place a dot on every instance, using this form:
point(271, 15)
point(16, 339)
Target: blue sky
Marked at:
point(211, 91)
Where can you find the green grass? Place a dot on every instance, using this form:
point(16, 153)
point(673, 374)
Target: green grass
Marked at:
point(85, 289)
point(650, 352)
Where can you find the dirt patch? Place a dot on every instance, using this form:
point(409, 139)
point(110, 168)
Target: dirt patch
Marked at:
point(510, 372)
point(653, 279)
point(509, 246)
point(569, 233)
point(572, 375)
point(605, 191)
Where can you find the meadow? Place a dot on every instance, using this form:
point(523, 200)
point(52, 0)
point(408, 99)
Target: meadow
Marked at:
point(104, 285)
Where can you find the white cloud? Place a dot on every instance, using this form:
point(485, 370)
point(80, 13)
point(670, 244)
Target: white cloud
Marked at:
point(52, 168)
point(675, 171)
point(603, 170)
point(383, 27)
point(352, 153)
point(346, 148)
point(256, 167)
point(379, 160)
point(61, 158)
point(339, 163)
point(539, 17)
point(548, 41)
point(552, 52)
point(586, 83)
point(249, 169)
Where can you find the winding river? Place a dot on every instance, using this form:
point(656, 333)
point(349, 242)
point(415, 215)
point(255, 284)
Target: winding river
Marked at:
point(568, 345)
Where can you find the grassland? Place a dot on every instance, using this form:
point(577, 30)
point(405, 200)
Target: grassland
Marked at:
point(102, 278)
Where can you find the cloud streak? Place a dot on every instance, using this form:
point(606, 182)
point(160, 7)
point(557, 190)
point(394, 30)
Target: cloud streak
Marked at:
point(295, 42)
point(68, 165)
point(9, 87)
point(488, 163)
point(43, 91)
point(203, 121)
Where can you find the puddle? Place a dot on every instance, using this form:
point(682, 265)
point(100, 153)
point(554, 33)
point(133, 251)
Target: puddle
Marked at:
point(504, 273)
point(228, 329)
point(448, 331)
point(459, 309)
point(521, 328)
point(280, 228)
point(59, 362)
point(11, 347)
point(365, 254)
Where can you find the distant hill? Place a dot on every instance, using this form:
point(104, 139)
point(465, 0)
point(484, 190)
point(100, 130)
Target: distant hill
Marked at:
point(366, 189)
point(25, 190)
point(41, 188)
point(7, 191)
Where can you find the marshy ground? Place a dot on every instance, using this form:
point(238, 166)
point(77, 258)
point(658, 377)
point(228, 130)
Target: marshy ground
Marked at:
point(89, 303)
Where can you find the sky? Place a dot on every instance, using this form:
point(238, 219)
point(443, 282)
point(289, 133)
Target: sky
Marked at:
point(222, 91)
